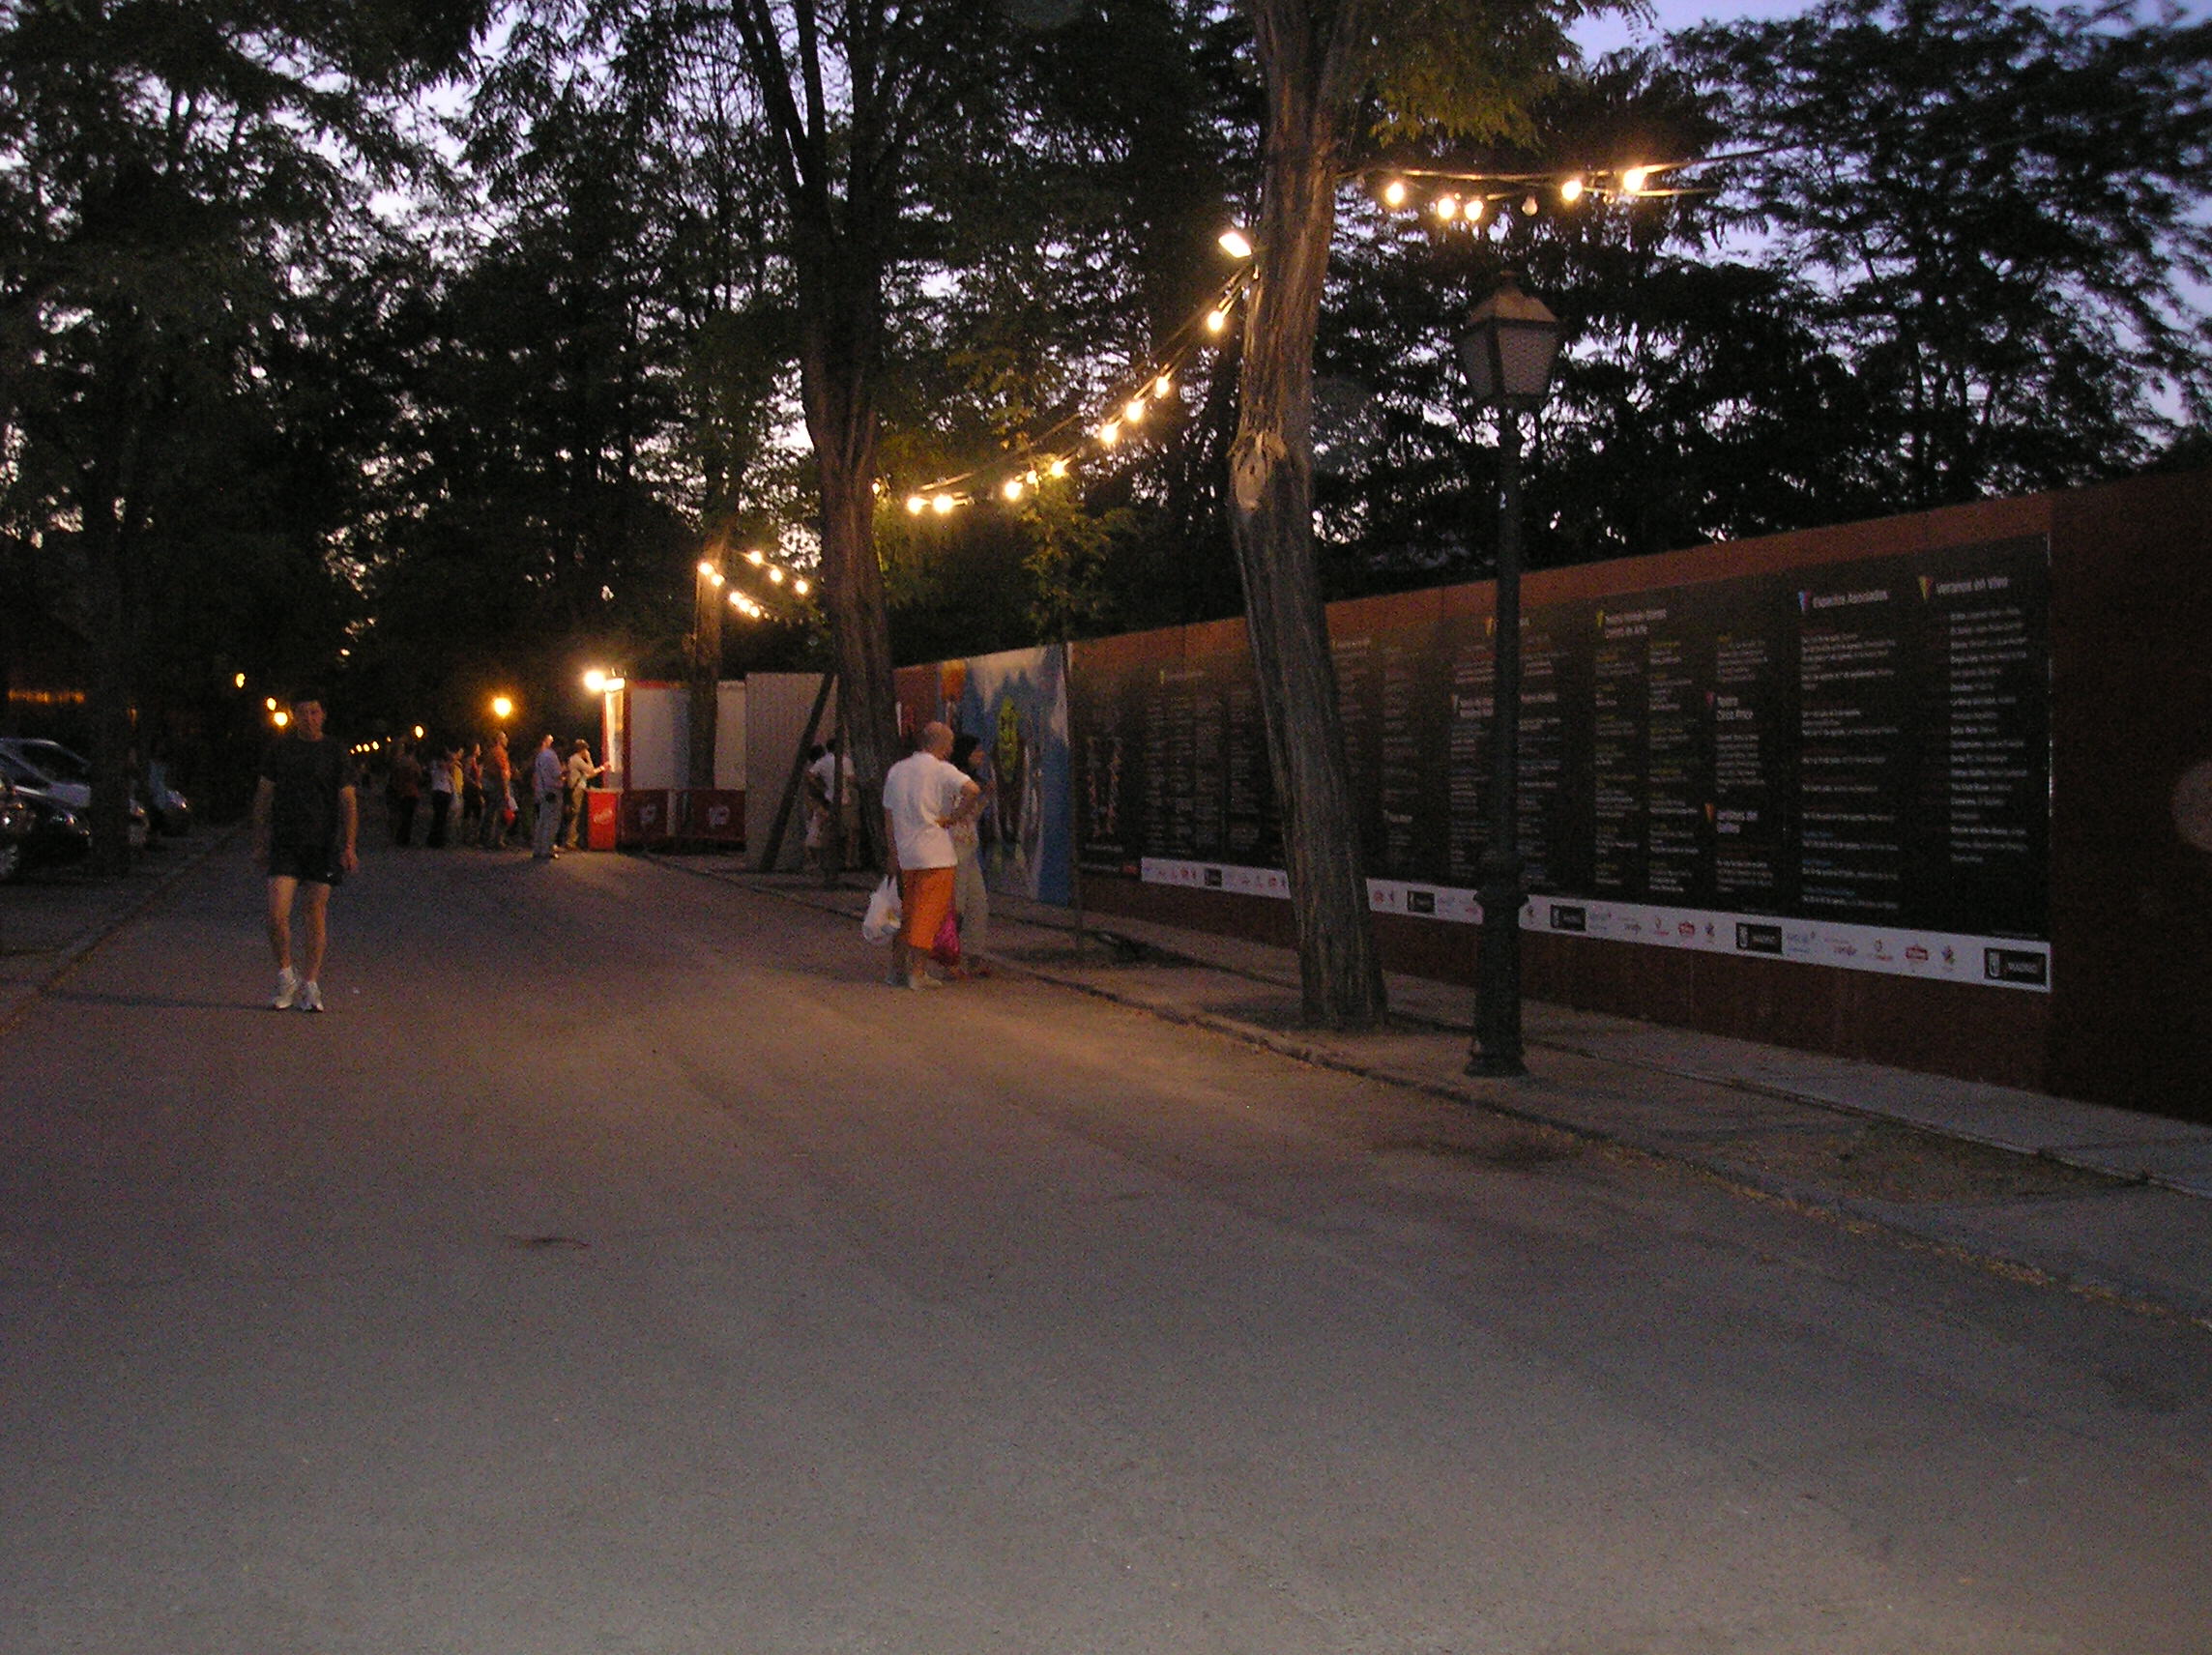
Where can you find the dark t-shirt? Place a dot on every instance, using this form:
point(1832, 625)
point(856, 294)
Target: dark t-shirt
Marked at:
point(308, 776)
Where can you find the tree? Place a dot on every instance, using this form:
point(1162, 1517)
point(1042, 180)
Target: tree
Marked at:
point(168, 171)
point(1996, 212)
point(1454, 66)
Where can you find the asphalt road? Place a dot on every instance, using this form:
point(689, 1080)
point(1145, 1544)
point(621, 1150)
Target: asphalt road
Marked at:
point(619, 1267)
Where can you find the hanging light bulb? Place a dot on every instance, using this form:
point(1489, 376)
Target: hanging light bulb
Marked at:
point(707, 568)
point(1011, 488)
point(1110, 434)
point(1633, 180)
point(1447, 207)
point(1133, 411)
point(1057, 468)
point(916, 506)
point(756, 558)
point(1216, 320)
point(943, 504)
point(1472, 211)
point(1163, 386)
point(1528, 206)
point(775, 577)
point(800, 587)
point(1394, 193)
point(1571, 190)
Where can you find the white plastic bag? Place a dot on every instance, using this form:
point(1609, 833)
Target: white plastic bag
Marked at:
point(885, 912)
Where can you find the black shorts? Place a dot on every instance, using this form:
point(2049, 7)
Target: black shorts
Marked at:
point(311, 864)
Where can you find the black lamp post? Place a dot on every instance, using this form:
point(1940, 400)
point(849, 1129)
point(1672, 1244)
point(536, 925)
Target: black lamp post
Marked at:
point(1507, 349)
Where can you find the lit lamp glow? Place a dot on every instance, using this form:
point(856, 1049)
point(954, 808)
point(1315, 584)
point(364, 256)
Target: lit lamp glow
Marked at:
point(1394, 193)
point(1633, 180)
point(1236, 242)
point(942, 504)
point(502, 707)
point(280, 718)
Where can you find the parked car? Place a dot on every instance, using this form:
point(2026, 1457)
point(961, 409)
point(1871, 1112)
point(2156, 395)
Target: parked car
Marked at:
point(62, 809)
point(16, 826)
point(52, 770)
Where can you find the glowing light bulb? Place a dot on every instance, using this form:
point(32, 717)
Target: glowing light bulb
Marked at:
point(281, 719)
point(800, 587)
point(1164, 387)
point(775, 577)
point(1216, 320)
point(1571, 190)
point(270, 702)
point(594, 681)
point(1447, 207)
point(719, 580)
point(1472, 211)
point(503, 706)
point(756, 558)
point(707, 568)
point(1110, 434)
point(1011, 488)
point(1236, 242)
point(238, 682)
point(942, 504)
point(1057, 468)
point(1394, 193)
point(916, 506)
point(1633, 180)
point(1528, 207)
point(1133, 411)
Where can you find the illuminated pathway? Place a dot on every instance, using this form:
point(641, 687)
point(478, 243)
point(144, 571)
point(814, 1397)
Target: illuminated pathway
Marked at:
point(619, 1268)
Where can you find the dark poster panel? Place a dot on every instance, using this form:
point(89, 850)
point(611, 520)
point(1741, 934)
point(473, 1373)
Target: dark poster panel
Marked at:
point(1863, 743)
point(1554, 769)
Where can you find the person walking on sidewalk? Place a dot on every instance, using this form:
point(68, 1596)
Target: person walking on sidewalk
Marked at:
point(545, 792)
point(307, 826)
point(924, 799)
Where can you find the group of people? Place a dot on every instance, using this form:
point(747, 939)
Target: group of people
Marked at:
point(477, 792)
point(307, 834)
point(933, 799)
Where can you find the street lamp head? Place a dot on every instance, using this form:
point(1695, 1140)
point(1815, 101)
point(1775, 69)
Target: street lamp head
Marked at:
point(1508, 348)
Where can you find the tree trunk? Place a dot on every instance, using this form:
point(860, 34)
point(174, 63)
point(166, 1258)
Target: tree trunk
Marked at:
point(108, 701)
point(705, 670)
point(839, 394)
point(1272, 522)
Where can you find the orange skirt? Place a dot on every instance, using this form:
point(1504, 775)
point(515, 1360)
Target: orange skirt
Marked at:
point(927, 893)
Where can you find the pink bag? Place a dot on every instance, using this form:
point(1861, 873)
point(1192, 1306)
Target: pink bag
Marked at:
point(945, 948)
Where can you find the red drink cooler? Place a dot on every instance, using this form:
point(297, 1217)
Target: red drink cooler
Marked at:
point(603, 808)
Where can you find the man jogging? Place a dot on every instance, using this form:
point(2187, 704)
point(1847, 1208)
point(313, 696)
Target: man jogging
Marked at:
point(306, 827)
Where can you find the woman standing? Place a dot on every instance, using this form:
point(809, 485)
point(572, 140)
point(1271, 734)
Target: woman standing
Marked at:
point(970, 896)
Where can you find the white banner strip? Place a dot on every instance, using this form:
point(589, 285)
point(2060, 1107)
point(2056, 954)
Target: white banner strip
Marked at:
point(1935, 955)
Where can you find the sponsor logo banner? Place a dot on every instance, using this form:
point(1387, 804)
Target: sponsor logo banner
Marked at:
point(1932, 955)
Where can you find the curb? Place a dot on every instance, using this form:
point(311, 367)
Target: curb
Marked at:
point(20, 998)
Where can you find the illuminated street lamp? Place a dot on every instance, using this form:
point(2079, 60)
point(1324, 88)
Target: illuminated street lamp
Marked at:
point(599, 681)
point(417, 732)
point(502, 707)
point(1507, 349)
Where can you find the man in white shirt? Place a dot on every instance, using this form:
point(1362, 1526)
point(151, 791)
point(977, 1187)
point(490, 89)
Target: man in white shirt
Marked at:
point(924, 797)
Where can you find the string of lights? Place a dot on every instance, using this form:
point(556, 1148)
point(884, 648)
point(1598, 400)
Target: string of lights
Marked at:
point(1133, 401)
point(1446, 195)
point(777, 574)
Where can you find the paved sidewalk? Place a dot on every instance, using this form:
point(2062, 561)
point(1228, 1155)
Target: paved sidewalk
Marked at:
point(2099, 1200)
point(55, 915)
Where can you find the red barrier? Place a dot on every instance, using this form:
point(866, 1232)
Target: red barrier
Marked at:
point(715, 814)
point(644, 818)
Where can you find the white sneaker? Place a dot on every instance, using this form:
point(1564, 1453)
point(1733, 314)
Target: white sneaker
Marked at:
point(310, 998)
point(922, 979)
point(287, 989)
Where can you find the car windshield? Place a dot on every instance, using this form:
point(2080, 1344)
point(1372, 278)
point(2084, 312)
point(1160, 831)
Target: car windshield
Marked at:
point(20, 772)
point(57, 761)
